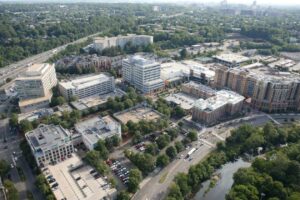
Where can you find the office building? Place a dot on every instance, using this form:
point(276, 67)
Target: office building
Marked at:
point(34, 86)
point(225, 103)
point(269, 90)
point(101, 43)
point(94, 129)
point(49, 144)
point(87, 86)
point(143, 74)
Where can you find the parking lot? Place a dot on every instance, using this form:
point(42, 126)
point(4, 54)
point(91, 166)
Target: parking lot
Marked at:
point(72, 179)
point(137, 114)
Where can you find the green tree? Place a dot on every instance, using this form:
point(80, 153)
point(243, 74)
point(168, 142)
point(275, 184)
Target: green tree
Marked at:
point(152, 149)
point(243, 192)
point(174, 193)
point(101, 148)
point(179, 146)
point(162, 160)
point(171, 152)
point(192, 135)
point(4, 168)
point(163, 140)
point(12, 192)
point(183, 54)
point(116, 140)
point(14, 121)
point(25, 126)
point(123, 195)
point(135, 177)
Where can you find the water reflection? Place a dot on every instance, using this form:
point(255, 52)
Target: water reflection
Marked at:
point(219, 191)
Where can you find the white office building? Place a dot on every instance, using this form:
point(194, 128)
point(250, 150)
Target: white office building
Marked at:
point(101, 43)
point(143, 74)
point(94, 129)
point(34, 86)
point(87, 86)
point(50, 144)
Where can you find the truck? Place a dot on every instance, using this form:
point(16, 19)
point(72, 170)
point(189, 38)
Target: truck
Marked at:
point(190, 152)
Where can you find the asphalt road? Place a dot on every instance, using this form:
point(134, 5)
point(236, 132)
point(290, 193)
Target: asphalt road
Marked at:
point(12, 71)
point(152, 188)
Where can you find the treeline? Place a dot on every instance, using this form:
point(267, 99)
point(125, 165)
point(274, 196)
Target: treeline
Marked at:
point(174, 40)
point(245, 139)
point(276, 176)
point(277, 36)
point(36, 32)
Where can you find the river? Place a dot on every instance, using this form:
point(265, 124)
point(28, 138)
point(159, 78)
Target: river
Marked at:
point(224, 184)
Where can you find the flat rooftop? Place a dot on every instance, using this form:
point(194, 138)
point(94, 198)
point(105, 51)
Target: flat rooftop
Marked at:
point(199, 69)
point(95, 100)
point(185, 101)
point(35, 71)
point(173, 68)
point(137, 114)
point(85, 81)
point(140, 61)
point(200, 87)
point(47, 136)
point(222, 98)
point(86, 188)
point(230, 58)
point(98, 128)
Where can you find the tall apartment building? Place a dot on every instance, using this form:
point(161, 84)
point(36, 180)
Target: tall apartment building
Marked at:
point(49, 144)
point(143, 74)
point(101, 43)
point(224, 103)
point(34, 86)
point(94, 129)
point(87, 86)
point(276, 92)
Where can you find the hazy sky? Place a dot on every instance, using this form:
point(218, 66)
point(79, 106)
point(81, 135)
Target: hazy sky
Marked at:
point(270, 2)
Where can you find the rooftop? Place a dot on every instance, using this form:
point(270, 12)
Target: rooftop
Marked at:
point(129, 36)
point(221, 99)
point(230, 58)
point(86, 188)
point(200, 87)
point(185, 101)
point(98, 128)
point(95, 100)
point(36, 71)
point(199, 68)
point(138, 60)
point(47, 136)
point(85, 81)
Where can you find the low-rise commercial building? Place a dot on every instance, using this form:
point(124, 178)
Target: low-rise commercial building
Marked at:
point(143, 74)
point(49, 144)
point(96, 100)
point(34, 86)
point(94, 129)
point(224, 103)
point(87, 86)
point(231, 60)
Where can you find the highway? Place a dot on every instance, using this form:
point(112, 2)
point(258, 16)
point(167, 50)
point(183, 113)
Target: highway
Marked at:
point(13, 70)
point(152, 188)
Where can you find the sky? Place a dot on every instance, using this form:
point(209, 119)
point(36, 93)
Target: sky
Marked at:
point(261, 2)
